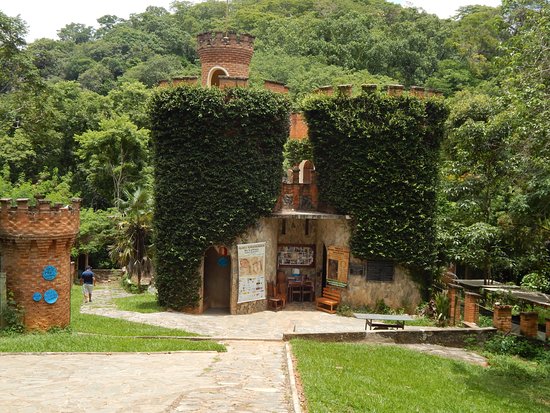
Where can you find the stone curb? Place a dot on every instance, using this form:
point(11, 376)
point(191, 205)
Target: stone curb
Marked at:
point(292, 380)
point(105, 353)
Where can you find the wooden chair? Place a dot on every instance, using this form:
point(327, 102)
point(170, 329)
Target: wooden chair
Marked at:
point(281, 291)
point(273, 302)
point(307, 291)
point(295, 288)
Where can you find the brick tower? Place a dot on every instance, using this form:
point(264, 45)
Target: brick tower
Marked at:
point(224, 55)
point(35, 247)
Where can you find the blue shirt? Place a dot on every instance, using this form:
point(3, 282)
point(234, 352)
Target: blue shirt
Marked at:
point(88, 277)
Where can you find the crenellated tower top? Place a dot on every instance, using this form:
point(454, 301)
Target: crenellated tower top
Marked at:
point(224, 54)
point(44, 220)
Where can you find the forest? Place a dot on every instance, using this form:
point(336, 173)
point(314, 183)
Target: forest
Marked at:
point(73, 112)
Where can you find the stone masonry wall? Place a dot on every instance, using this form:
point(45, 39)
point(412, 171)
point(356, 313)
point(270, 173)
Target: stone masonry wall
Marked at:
point(35, 243)
point(264, 231)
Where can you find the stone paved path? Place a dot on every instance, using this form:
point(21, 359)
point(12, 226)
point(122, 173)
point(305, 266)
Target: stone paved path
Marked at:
point(252, 376)
point(247, 378)
point(262, 325)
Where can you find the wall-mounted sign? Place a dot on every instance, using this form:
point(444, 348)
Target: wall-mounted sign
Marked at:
point(223, 262)
point(295, 255)
point(37, 297)
point(251, 272)
point(50, 296)
point(49, 272)
point(337, 266)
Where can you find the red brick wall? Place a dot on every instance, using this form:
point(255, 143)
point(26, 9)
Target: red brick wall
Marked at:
point(528, 324)
point(454, 301)
point(275, 86)
point(471, 309)
point(32, 238)
point(502, 318)
point(298, 127)
point(233, 53)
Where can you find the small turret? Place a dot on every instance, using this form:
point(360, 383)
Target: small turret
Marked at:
point(224, 54)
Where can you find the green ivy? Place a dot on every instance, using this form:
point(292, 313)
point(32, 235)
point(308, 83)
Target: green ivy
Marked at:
point(217, 158)
point(377, 157)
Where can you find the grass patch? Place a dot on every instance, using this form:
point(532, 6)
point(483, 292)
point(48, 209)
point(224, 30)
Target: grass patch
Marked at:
point(95, 324)
point(140, 303)
point(340, 377)
point(106, 335)
point(67, 341)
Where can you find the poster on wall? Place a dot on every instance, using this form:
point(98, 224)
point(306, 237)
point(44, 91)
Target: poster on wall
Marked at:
point(337, 266)
point(251, 272)
point(295, 255)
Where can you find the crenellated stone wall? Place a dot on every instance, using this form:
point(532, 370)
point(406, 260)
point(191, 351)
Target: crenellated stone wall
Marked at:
point(35, 246)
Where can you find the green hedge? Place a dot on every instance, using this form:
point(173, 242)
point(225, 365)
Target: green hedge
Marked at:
point(217, 158)
point(377, 160)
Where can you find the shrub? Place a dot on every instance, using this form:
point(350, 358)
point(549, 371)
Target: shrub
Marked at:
point(442, 307)
point(13, 316)
point(537, 281)
point(511, 345)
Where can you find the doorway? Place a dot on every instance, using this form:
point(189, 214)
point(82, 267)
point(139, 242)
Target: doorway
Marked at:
point(217, 280)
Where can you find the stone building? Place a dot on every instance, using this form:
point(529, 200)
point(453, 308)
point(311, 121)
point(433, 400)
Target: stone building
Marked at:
point(301, 236)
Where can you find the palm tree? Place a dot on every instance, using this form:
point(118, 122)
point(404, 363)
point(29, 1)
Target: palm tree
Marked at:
point(132, 248)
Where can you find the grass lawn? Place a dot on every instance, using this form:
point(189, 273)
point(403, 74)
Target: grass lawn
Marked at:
point(340, 377)
point(140, 303)
point(106, 335)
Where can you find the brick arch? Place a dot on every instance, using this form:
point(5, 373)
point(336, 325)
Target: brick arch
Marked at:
point(214, 74)
point(306, 171)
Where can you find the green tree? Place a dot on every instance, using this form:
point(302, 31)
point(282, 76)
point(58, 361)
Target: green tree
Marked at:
point(475, 182)
point(132, 247)
point(96, 232)
point(76, 32)
point(130, 99)
point(113, 158)
point(155, 69)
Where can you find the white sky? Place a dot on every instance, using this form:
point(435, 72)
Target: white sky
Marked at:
point(45, 17)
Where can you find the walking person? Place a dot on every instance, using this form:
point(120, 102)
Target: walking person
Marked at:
point(87, 279)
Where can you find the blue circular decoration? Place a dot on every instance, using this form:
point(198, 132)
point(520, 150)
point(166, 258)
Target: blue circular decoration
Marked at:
point(50, 296)
point(49, 272)
point(223, 261)
point(37, 297)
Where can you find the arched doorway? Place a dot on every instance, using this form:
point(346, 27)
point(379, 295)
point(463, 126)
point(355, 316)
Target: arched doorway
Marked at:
point(217, 279)
point(214, 76)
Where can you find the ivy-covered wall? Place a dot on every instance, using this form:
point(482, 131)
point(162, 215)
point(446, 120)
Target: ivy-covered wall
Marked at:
point(217, 159)
point(376, 158)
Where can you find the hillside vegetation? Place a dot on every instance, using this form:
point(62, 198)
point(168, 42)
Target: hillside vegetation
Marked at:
point(73, 110)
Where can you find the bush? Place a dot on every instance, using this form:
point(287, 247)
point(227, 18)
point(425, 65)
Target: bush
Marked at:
point(442, 307)
point(13, 316)
point(536, 281)
point(511, 345)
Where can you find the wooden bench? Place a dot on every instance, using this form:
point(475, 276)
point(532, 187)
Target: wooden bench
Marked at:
point(329, 301)
point(398, 318)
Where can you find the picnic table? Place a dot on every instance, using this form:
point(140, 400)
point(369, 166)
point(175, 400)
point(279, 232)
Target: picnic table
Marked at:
point(399, 320)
